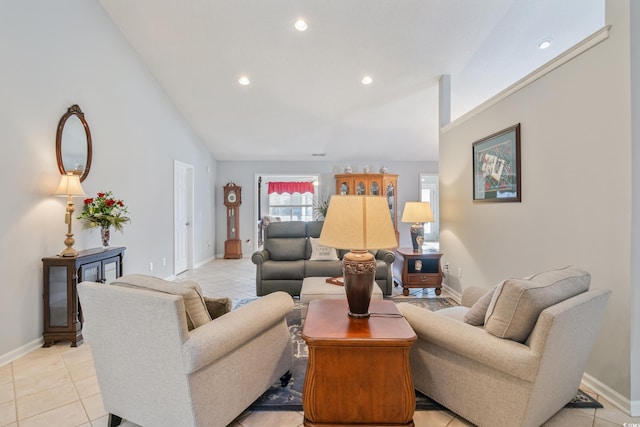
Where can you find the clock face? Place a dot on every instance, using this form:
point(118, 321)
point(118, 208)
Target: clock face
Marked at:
point(231, 197)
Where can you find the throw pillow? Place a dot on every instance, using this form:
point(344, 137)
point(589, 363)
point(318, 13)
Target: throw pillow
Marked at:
point(217, 306)
point(517, 303)
point(476, 314)
point(196, 310)
point(320, 252)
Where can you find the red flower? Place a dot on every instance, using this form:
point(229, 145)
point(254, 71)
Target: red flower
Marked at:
point(100, 195)
point(109, 202)
point(88, 201)
point(120, 203)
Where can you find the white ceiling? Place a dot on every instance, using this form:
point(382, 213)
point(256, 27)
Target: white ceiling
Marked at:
point(305, 95)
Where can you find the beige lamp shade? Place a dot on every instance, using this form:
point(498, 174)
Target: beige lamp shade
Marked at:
point(417, 212)
point(69, 186)
point(358, 223)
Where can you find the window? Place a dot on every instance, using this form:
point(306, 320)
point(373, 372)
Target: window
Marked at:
point(291, 201)
point(429, 193)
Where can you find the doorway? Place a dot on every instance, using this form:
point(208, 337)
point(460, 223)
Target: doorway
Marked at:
point(182, 217)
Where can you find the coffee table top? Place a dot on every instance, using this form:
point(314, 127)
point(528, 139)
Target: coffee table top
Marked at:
point(328, 323)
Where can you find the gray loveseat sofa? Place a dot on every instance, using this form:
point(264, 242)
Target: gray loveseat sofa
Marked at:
point(284, 261)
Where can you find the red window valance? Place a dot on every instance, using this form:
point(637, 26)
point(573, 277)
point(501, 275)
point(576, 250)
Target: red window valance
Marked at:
point(291, 187)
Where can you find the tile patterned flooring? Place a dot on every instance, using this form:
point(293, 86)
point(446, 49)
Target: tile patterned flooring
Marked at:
point(57, 387)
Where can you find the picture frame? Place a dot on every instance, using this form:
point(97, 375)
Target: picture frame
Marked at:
point(496, 167)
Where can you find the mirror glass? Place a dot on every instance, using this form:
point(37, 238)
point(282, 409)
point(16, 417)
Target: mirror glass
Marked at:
point(73, 143)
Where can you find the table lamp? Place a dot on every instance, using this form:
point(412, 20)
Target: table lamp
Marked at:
point(417, 213)
point(358, 223)
point(70, 187)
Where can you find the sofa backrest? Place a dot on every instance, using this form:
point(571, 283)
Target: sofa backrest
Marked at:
point(314, 228)
point(286, 241)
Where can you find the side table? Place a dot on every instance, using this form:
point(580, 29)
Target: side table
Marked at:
point(358, 371)
point(417, 270)
point(62, 311)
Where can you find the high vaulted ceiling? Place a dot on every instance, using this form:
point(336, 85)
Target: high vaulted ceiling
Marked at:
point(306, 97)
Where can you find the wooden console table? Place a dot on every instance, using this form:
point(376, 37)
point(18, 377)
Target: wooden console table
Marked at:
point(417, 270)
point(358, 371)
point(62, 312)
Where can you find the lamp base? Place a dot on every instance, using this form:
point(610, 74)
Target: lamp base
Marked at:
point(417, 236)
point(359, 269)
point(69, 251)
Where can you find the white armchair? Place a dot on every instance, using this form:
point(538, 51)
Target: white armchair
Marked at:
point(153, 371)
point(515, 381)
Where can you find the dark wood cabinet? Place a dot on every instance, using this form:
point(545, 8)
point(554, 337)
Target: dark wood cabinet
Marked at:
point(417, 270)
point(62, 312)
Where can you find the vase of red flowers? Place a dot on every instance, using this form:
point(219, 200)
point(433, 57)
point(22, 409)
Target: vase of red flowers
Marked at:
point(104, 211)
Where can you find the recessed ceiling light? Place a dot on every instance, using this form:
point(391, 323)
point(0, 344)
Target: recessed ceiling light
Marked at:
point(301, 25)
point(367, 80)
point(544, 44)
point(244, 80)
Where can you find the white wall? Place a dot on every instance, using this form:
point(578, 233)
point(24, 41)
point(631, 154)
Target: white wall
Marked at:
point(576, 190)
point(56, 54)
point(244, 174)
point(635, 193)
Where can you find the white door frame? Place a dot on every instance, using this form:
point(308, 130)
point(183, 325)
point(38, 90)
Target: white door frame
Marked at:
point(182, 203)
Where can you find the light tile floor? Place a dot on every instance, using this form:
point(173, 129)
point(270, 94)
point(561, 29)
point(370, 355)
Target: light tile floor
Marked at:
point(57, 387)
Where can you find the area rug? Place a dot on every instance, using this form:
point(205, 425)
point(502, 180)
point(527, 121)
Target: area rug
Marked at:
point(289, 398)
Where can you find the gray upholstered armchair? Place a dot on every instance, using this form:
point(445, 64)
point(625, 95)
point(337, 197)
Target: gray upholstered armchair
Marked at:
point(529, 356)
point(154, 371)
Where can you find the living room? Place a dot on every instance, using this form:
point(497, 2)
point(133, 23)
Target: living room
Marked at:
point(578, 121)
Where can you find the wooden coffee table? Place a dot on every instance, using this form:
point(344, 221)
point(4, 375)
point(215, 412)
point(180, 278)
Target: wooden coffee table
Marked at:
point(358, 370)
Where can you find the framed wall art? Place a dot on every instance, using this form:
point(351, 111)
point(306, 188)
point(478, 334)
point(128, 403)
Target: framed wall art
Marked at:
point(496, 167)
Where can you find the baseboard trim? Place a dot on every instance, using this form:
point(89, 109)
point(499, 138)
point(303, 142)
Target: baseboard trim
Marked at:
point(454, 294)
point(631, 408)
point(16, 354)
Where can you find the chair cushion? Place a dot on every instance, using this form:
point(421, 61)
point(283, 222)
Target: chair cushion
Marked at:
point(517, 303)
point(196, 309)
point(320, 252)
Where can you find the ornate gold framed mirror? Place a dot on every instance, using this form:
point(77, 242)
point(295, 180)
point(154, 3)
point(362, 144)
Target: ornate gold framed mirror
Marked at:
point(73, 143)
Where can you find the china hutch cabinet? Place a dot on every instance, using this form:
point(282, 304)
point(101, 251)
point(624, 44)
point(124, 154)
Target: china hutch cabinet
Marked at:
point(372, 184)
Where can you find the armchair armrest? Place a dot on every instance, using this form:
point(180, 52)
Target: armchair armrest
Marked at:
point(472, 342)
point(209, 342)
point(259, 257)
point(386, 255)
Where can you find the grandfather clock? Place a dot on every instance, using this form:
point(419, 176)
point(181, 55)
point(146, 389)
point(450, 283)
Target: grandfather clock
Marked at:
point(232, 200)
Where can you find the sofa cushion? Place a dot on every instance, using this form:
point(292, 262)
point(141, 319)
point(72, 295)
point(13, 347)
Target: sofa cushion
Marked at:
point(283, 270)
point(195, 307)
point(517, 303)
point(476, 314)
point(322, 268)
point(320, 252)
